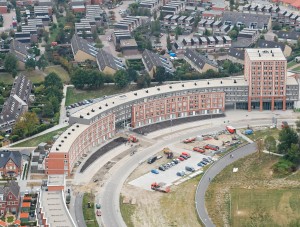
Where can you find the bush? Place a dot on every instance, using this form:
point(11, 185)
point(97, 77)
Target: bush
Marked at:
point(283, 167)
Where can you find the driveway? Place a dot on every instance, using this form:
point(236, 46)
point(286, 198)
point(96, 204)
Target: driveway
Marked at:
point(213, 171)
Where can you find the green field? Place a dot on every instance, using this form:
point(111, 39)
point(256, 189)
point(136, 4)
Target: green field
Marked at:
point(34, 76)
point(37, 140)
point(89, 214)
point(74, 95)
point(296, 69)
point(262, 134)
point(6, 78)
point(127, 210)
point(61, 72)
point(291, 64)
point(268, 207)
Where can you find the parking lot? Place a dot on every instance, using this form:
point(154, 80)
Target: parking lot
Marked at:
point(221, 139)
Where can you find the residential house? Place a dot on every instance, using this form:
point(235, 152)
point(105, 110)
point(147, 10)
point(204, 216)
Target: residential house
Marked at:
point(16, 104)
point(129, 47)
point(199, 62)
point(254, 21)
point(9, 198)
point(236, 55)
point(152, 61)
point(20, 50)
point(3, 6)
point(107, 63)
point(10, 163)
point(174, 7)
point(82, 49)
point(291, 37)
point(287, 50)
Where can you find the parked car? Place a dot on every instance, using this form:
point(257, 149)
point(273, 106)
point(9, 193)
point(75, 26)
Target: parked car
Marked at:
point(189, 168)
point(155, 171)
point(175, 161)
point(181, 158)
point(200, 164)
point(210, 159)
point(199, 149)
point(204, 163)
point(98, 212)
point(186, 154)
point(211, 147)
point(151, 160)
point(162, 168)
point(98, 206)
point(159, 157)
point(205, 159)
point(180, 173)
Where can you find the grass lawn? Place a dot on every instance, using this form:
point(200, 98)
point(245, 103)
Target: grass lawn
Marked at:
point(296, 69)
point(37, 140)
point(178, 206)
point(262, 134)
point(291, 64)
point(127, 210)
point(89, 213)
point(6, 78)
point(273, 207)
point(61, 72)
point(35, 76)
point(254, 196)
point(10, 219)
point(74, 95)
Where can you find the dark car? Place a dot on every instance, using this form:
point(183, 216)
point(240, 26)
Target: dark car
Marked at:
point(200, 164)
point(175, 161)
point(189, 168)
point(204, 163)
point(206, 160)
point(183, 156)
point(151, 160)
point(162, 168)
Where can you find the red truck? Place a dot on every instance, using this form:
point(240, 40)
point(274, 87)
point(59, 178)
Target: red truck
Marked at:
point(231, 129)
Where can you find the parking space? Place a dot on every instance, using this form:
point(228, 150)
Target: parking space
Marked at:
point(168, 176)
point(208, 146)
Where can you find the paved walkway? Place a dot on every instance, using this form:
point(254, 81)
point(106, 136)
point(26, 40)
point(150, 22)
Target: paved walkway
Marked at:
point(209, 175)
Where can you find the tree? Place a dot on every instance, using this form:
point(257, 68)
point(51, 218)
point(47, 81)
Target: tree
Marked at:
point(26, 124)
point(270, 144)
point(30, 64)
point(298, 125)
point(53, 80)
point(48, 110)
point(287, 137)
point(233, 34)
point(10, 63)
point(169, 45)
point(143, 80)
point(132, 74)
point(160, 74)
point(121, 78)
point(293, 154)
point(42, 63)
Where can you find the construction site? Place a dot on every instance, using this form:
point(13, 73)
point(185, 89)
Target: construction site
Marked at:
point(172, 169)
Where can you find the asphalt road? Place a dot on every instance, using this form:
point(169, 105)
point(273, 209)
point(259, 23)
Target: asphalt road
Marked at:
point(213, 171)
point(78, 210)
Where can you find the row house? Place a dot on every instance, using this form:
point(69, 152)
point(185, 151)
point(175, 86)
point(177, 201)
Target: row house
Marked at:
point(278, 14)
point(3, 6)
point(129, 23)
point(209, 24)
point(152, 5)
point(208, 44)
point(117, 36)
point(44, 13)
point(173, 8)
point(186, 23)
point(84, 29)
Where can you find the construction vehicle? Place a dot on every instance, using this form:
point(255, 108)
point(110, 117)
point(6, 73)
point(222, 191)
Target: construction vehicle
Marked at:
point(160, 187)
point(166, 150)
point(190, 140)
point(133, 139)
